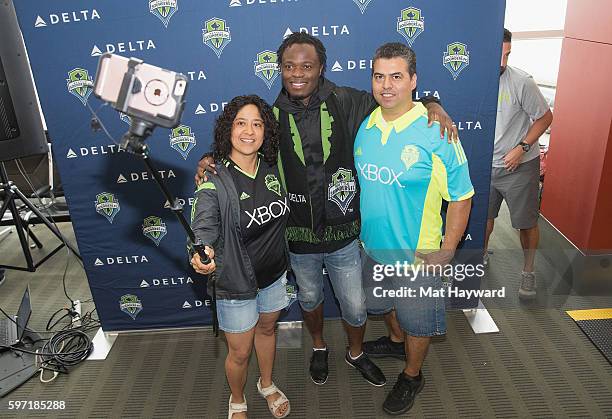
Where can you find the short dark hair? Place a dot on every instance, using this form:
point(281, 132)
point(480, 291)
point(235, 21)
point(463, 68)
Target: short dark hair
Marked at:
point(303, 38)
point(507, 35)
point(222, 145)
point(397, 50)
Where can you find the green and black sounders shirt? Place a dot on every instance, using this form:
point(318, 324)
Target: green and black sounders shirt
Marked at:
point(316, 164)
point(264, 211)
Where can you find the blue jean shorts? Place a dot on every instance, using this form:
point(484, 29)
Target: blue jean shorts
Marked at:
point(239, 316)
point(418, 300)
point(344, 269)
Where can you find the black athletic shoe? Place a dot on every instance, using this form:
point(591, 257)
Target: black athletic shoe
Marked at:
point(367, 368)
point(318, 367)
point(401, 397)
point(383, 347)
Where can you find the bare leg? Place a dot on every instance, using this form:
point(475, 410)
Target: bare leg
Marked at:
point(314, 323)
point(395, 331)
point(236, 364)
point(265, 348)
point(416, 351)
point(355, 338)
point(529, 241)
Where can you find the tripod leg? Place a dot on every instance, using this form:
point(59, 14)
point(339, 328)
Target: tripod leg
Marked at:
point(46, 221)
point(20, 227)
point(34, 238)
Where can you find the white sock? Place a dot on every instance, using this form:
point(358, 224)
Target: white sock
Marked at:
point(319, 349)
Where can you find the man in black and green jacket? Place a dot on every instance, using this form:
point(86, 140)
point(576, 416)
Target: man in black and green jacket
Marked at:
point(319, 121)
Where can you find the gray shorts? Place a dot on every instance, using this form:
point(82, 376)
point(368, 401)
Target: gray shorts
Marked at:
point(520, 189)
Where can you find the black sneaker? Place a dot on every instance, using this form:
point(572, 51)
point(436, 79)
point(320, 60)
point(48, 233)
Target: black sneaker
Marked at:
point(367, 368)
point(401, 397)
point(318, 367)
point(383, 347)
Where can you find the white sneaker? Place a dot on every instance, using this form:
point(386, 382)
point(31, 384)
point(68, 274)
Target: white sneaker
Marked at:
point(528, 286)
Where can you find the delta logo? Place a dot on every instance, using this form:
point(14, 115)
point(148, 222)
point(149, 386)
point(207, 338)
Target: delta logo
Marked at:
point(123, 47)
point(187, 305)
point(120, 260)
point(61, 18)
point(324, 30)
point(212, 107)
point(166, 282)
point(141, 176)
point(95, 150)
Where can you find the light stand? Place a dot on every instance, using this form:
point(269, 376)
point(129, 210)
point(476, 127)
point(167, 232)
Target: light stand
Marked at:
point(12, 192)
point(133, 142)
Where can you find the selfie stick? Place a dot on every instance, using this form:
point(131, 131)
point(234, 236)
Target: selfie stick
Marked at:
point(133, 142)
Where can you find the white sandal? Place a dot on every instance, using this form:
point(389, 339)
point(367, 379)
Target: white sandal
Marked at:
point(236, 407)
point(265, 392)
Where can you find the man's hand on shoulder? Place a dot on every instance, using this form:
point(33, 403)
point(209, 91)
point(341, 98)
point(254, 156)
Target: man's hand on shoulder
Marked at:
point(206, 164)
point(435, 112)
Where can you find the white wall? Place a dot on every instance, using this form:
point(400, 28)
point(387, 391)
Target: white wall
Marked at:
point(539, 57)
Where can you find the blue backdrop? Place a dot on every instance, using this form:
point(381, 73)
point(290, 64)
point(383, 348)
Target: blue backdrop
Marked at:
point(132, 247)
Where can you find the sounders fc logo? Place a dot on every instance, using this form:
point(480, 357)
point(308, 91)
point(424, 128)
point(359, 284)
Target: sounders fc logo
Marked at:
point(182, 140)
point(273, 184)
point(456, 58)
point(266, 67)
point(362, 4)
point(131, 305)
point(154, 228)
point(342, 189)
point(216, 34)
point(163, 9)
point(107, 205)
point(80, 84)
point(410, 24)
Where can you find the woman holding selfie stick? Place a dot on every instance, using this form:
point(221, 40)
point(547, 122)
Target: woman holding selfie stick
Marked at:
point(241, 215)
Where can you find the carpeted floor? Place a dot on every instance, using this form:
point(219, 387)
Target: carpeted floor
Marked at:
point(539, 365)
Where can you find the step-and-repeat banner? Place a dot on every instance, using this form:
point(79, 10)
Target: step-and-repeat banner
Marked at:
point(132, 246)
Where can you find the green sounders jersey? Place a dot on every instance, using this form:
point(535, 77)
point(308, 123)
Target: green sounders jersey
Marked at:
point(405, 171)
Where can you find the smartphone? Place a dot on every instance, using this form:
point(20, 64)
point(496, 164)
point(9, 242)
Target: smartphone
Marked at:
point(141, 90)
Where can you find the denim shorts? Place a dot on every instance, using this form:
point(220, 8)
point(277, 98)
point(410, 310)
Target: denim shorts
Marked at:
point(344, 269)
point(418, 300)
point(239, 316)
